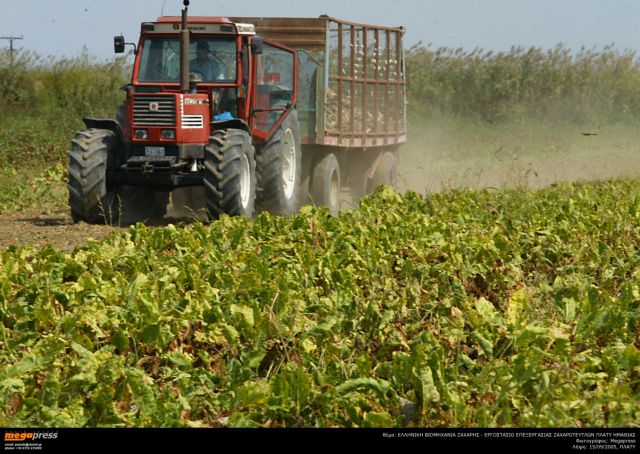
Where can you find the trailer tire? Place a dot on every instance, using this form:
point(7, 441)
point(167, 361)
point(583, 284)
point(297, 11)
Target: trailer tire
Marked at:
point(325, 184)
point(385, 173)
point(230, 174)
point(93, 152)
point(279, 169)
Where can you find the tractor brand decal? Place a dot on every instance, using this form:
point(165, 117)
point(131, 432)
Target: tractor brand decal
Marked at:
point(154, 106)
point(190, 121)
point(191, 27)
point(191, 101)
point(159, 27)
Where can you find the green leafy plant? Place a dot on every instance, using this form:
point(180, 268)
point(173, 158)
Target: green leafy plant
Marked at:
point(469, 308)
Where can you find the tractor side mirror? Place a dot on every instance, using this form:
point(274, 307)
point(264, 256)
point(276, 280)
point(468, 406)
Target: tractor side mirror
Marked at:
point(118, 44)
point(257, 46)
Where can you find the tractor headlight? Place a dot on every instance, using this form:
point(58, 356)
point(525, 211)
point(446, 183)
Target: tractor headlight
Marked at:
point(168, 134)
point(141, 134)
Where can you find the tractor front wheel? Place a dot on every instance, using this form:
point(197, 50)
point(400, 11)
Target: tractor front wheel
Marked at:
point(230, 174)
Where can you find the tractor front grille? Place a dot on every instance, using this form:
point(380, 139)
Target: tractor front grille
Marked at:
point(154, 111)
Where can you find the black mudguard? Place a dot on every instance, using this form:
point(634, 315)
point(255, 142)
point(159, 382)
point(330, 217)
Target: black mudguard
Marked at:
point(103, 123)
point(236, 123)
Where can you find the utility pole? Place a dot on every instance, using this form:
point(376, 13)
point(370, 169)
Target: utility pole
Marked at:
point(11, 49)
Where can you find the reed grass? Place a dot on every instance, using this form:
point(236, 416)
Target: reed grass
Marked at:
point(556, 84)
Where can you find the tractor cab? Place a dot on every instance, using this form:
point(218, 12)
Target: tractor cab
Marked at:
point(233, 76)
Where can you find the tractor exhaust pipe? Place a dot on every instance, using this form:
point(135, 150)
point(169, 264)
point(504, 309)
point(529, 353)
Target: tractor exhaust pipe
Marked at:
point(184, 51)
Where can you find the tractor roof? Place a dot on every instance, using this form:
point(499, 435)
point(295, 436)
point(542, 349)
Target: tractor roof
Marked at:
point(198, 24)
point(195, 19)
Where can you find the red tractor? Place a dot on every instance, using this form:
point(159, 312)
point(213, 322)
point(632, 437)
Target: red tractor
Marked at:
point(211, 104)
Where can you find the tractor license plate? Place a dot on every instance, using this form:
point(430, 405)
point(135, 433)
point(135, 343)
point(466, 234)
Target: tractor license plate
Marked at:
point(154, 151)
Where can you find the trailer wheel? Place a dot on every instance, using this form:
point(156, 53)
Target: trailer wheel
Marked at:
point(93, 152)
point(230, 174)
point(279, 169)
point(385, 173)
point(325, 184)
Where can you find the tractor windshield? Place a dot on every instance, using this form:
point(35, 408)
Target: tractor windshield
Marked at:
point(213, 59)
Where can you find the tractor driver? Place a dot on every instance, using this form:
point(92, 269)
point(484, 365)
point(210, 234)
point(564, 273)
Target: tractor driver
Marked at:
point(203, 63)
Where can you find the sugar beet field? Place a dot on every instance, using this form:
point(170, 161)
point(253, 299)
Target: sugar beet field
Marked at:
point(499, 286)
point(469, 308)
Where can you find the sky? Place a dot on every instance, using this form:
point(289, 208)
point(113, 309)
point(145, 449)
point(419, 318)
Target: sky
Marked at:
point(64, 27)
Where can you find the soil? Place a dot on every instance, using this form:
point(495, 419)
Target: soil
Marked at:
point(53, 228)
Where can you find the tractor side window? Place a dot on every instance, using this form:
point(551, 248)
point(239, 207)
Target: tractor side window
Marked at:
point(224, 103)
point(244, 89)
point(245, 65)
point(274, 86)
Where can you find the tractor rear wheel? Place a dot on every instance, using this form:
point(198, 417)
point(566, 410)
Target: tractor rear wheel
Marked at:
point(93, 152)
point(279, 169)
point(325, 184)
point(230, 174)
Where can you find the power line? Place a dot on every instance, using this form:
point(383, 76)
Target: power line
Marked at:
point(11, 49)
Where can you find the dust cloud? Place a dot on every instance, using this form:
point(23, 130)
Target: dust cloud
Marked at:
point(455, 154)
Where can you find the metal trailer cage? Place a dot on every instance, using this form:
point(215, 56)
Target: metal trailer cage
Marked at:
point(351, 79)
